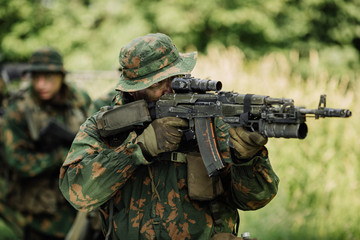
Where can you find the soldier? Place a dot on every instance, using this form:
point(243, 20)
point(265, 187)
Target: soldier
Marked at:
point(3, 96)
point(3, 92)
point(39, 126)
point(140, 179)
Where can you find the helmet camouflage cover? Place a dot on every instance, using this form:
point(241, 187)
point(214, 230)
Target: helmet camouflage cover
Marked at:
point(46, 59)
point(150, 59)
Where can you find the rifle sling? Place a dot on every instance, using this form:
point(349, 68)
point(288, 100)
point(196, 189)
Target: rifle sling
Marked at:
point(244, 117)
point(177, 157)
point(247, 103)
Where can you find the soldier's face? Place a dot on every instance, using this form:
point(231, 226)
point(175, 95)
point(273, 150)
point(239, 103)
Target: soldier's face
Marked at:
point(155, 91)
point(46, 85)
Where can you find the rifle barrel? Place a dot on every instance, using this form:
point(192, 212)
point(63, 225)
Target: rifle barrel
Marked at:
point(327, 112)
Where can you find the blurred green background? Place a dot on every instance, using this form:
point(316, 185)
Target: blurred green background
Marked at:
point(294, 49)
point(90, 32)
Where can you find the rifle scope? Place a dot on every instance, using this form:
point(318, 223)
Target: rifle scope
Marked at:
point(190, 84)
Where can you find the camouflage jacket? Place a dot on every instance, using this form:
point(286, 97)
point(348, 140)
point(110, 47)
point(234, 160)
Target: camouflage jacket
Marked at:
point(32, 196)
point(150, 198)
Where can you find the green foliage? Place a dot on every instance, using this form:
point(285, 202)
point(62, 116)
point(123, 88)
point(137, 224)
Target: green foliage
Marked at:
point(19, 21)
point(319, 192)
point(5, 232)
point(90, 33)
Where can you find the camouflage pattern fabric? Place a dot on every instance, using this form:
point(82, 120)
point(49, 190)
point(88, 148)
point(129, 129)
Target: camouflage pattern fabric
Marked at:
point(3, 92)
point(150, 59)
point(46, 59)
point(6, 232)
point(3, 97)
point(150, 197)
point(33, 199)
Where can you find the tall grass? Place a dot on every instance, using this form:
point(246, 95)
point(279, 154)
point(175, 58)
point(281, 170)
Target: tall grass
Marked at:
point(319, 191)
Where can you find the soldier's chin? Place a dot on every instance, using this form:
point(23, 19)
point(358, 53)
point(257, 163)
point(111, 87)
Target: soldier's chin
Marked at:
point(44, 96)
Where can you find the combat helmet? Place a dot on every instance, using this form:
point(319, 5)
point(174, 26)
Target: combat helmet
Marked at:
point(150, 59)
point(46, 59)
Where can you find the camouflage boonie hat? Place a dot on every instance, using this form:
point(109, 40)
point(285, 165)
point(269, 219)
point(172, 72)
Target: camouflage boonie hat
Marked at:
point(150, 59)
point(46, 60)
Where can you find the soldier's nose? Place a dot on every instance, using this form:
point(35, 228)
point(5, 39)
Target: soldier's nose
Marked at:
point(168, 88)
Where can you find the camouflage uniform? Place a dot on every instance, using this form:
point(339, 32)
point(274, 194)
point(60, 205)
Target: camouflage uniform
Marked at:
point(3, 98)
point(3, 92)
point(149, 198)
point(33, 203)
point(5, 230)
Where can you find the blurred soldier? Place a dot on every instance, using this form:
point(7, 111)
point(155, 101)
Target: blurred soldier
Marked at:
point(2, 90)
point(146, 186)
point(39, 127)
point(3, 99)
point(3, 95)
point(5, 231)
point(15, 76)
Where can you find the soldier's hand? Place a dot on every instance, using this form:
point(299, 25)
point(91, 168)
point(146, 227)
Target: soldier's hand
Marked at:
point(246, 143)
point(162, 135)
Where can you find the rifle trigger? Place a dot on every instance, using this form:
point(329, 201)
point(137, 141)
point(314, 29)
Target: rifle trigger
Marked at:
point(189, 134)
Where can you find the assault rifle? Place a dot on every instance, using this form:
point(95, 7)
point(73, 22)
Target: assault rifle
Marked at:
point(200, 100)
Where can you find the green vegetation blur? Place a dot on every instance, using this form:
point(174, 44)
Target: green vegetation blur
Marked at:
point(90, 33)
point(319, 190)
point(293, 49)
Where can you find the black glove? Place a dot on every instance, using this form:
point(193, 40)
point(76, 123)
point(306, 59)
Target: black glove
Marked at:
point(54, 135)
